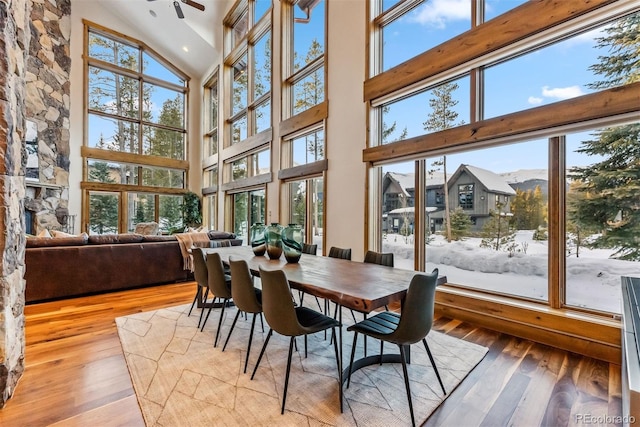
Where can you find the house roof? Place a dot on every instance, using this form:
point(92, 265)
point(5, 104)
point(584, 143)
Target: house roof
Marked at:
point(492, 181)
point(407, 180)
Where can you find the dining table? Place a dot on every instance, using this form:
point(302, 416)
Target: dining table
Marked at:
point(359, 286)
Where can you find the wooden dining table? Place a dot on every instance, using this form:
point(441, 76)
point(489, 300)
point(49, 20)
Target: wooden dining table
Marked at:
point(359, 286)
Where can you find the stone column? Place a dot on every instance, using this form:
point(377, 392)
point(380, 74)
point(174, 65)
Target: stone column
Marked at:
point(14, 43)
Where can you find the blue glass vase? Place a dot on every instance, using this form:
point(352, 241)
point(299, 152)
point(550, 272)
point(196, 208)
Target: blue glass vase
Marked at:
point(292, 242)
point(258, 242)
point(273, 236)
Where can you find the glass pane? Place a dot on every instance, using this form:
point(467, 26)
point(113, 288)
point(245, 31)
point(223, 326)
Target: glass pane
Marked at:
point(258, 207)
point(163, 106)
point(113, 52)
point(170, 213)
point(163, 142)
point(433, 23)
point(487, 228)
point(538, 83)
point(240, 221)
point(262, 66)
point(211, 145)
point(317, 212)
point(104, 209)
point(240, 28)
point(210, 177)
point(239, 130)
point(210, 207)
point(308, 91)
point(239, 169)
point(263, 117)
point(308, 148)
point(398, 185)
point(213, 106)
point(154, 68)
point(261, 7)
point(113, 94)
point(308, 32)
point(602, 215)
point(442, 107)
point(112, 134)
point(298, 205)
point(387, 4)
point(263, 162)
point(111, 172)
point(494, 8)
point(141, 209)
point(162, 177)
point(239, 85)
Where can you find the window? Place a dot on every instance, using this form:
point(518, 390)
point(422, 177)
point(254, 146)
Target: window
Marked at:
point(248, 208)
point(306, 206)
point(465, 196)
point(136, 135)
point(499, 184)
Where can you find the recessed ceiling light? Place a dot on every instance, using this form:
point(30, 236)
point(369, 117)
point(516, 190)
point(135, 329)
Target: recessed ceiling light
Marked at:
point(186, 49)
point(152, 13)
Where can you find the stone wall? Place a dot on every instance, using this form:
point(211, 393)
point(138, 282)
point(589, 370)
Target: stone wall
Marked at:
point(14, 42)
point(47, 104)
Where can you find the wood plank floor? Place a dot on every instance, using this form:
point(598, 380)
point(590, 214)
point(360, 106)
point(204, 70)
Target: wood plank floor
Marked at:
point(76, 374)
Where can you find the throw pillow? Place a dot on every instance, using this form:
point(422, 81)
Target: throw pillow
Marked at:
point(44, 233)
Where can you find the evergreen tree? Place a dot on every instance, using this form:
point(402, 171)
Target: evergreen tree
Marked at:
point(310, 91)
point(608, 190)
point(528, 209)
point(497, 233)
point(460, 223)
point(443, 116)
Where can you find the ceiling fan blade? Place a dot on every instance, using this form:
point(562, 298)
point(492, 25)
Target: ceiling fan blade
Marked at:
point(178, 9)
point(193, 4)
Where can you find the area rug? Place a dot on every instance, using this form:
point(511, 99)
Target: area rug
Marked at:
point(180, 379)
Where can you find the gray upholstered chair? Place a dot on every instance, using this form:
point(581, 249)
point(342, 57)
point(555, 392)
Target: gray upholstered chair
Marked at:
point(246, 297)
point(335, 252)
point(289, 320)
point(219, 285)
point(309, 249)
point(373, 257)
point(403, 329)
point(200, 275)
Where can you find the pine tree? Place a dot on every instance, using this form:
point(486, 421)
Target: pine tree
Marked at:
point(441, 117)
point(497, 233)
point(460, 223)
point(608, 190)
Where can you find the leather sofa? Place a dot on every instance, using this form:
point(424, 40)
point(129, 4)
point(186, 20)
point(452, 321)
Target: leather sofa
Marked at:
point(66, 267)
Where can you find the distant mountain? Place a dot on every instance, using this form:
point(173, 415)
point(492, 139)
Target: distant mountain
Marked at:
point(528, 179)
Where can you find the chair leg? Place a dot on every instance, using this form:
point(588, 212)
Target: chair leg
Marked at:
point(233, 325)
point(261, 322)
point(224, 304)
point(246, 360)
point(195, 298)
point(264, 347)
point(353, 353)
point(406, 382)
point(433, 363)
point(335, 348)
point(208, 313)
point(381, 350)
point(204, 300)
point(286, 377)
point(305, 346)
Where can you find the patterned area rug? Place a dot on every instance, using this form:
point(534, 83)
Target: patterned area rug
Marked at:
point(181, 379)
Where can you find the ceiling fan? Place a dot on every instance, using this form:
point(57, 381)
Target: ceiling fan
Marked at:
point(176, 5)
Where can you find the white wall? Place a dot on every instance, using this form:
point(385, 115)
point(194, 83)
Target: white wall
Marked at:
point(346, 126)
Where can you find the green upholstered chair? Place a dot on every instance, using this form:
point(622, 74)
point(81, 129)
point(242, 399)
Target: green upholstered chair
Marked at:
point(409, 327)
point(288, 320)
point(246, 297)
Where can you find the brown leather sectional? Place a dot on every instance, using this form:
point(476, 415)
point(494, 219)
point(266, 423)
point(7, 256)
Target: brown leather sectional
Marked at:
point(81, 265)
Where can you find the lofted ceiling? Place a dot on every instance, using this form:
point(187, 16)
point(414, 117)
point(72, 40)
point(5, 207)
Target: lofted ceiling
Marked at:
point(194, 43)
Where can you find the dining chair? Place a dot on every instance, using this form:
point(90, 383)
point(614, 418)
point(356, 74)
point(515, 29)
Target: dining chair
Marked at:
point(220, 286)
point(200, 275)
point(380, 258)
point(309, 249)
point(335, 252)
point(246, 297)
point(409, 327)
point(289, 320)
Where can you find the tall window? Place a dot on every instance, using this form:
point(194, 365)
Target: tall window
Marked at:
point(486, 213)
point(210, 152)
point(136, 142)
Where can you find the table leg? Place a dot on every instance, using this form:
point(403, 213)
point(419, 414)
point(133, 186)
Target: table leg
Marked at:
point(340, 360)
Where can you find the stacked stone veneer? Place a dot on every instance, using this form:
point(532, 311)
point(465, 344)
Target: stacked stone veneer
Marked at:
point(14, 42)
point(47, 104)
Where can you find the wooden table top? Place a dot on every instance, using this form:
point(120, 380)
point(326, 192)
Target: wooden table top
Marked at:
point(356, 285)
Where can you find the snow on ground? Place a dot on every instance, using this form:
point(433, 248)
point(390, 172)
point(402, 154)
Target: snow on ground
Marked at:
point(593, 280)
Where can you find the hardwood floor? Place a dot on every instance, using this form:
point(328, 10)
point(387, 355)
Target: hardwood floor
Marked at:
point(76, 374)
